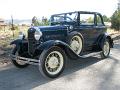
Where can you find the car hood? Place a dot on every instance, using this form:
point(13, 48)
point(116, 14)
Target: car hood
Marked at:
point(46, 28)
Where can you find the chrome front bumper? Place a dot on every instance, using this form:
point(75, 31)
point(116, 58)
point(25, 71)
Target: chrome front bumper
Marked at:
point(27, 60)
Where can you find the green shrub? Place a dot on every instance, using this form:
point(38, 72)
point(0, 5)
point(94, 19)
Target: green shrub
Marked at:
point(115, 20)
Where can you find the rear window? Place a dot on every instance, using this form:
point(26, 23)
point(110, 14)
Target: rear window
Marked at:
point(87, 19)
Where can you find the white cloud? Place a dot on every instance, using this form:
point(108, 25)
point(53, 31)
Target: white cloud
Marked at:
point(24, 9)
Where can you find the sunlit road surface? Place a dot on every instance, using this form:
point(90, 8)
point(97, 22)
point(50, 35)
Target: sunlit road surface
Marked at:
point(84, 74)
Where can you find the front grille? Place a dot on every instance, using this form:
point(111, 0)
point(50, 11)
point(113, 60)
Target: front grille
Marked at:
point(31, 41)
point(31, 46)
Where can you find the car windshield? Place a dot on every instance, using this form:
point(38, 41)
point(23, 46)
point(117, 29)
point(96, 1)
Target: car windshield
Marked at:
point(67, 17)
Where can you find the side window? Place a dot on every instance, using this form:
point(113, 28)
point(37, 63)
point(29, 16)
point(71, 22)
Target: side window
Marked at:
point(87, 19)
point(99, 20)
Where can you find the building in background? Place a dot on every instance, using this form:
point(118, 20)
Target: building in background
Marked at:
point(2, 21)
point(2, 24)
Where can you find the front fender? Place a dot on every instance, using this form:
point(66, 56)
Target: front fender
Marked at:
point(16, 42)
point(22, 44)
point(48, 44)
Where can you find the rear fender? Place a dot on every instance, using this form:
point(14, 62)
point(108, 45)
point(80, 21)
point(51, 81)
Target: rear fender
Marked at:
point(103, 38)
point(111, 41)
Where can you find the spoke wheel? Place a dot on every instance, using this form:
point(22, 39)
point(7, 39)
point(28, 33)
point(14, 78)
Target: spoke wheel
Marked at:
point(106, 49)
point(52, 62)
point(18, 63)
point(76, 44)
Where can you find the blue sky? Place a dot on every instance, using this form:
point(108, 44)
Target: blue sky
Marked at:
point(26, 9)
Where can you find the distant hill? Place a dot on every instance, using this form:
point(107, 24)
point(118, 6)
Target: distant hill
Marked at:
point(20, 22)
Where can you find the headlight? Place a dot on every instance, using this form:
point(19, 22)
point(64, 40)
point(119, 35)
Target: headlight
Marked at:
point(37, 34)
point(71, 27)
point(21, 35)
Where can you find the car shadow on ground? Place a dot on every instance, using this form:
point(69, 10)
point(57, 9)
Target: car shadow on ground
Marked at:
point(30, 77)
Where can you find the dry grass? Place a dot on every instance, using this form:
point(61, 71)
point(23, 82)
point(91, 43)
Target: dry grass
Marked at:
point(112, 31)
point(7, 36)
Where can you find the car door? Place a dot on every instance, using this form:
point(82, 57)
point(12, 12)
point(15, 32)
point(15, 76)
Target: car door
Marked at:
point(100, 26)
point(87, 29)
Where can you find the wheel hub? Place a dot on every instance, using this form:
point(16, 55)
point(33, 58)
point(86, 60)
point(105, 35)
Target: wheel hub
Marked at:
point(75, 45)
point(53, 62)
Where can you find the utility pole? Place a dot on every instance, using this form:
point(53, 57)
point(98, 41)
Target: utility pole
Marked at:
point(12, 28)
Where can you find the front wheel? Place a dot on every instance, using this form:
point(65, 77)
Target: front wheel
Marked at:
point(18, 63)
point(52, 62)
point(105, 49)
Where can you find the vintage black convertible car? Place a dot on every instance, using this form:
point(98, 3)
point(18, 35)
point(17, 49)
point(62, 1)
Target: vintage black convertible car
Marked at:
point(77, 35)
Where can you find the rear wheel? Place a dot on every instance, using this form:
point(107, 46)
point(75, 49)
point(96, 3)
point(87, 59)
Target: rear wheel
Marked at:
point(76, 42)
point(18, 63)
point(105, 49)
point(52, 62)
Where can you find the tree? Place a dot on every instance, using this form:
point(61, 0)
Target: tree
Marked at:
point(45, 21)
point(105, 18)
point(35, 21)
point(115, 20)
point(90, 20)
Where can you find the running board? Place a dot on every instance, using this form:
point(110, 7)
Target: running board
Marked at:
point(90, 54)
point(36, 62)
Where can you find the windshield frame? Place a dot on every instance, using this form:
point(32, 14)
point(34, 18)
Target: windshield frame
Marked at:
point(64, 16)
